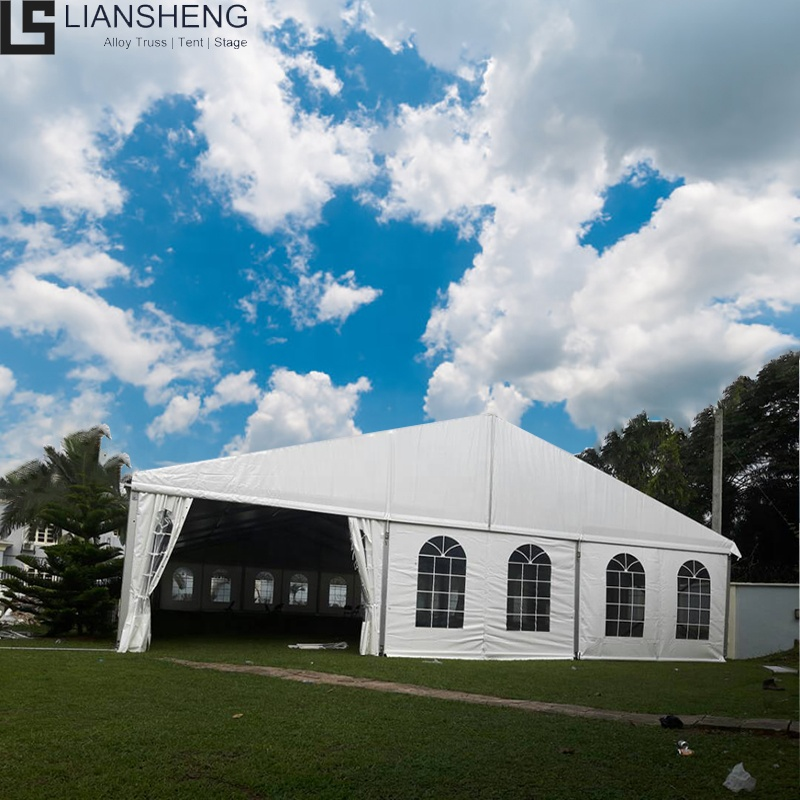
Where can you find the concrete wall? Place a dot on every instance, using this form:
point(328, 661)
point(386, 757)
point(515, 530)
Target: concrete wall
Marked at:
point(762, 618)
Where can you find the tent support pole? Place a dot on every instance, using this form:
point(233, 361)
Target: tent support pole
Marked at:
point(384, 589)
point(727, 610)
point(577, 603)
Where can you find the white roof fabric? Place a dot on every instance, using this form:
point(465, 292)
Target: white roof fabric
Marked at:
point(480, 473)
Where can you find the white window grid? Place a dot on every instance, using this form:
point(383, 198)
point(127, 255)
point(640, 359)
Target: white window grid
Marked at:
point(694, 602)
point(441, 584)
point(220, 587)
point(298, 590)
point(43, 537)
point(264, 588)
point(528, 591)
point(625, 597)
point(337, 592)
point(182, 585)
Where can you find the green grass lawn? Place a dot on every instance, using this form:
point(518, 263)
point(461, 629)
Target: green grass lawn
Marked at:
point(733, 689)
point(102, 725)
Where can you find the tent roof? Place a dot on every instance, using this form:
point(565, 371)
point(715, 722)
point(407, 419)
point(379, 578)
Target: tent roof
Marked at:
point(477, 472)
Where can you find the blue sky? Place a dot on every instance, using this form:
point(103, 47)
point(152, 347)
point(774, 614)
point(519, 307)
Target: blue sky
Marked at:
point(380, 214)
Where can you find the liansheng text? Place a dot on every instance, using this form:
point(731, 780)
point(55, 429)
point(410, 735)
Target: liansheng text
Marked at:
point(149, 15)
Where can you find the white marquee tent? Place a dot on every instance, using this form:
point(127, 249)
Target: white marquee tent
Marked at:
point(471, 539)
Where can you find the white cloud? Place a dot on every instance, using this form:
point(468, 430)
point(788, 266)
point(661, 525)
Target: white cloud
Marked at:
point(85, 264)
point(311, 299)
point(440, 166)
point(149, 351)
point(453, 392)
point(274, 162)
point(727, 103)
point(277, 164)
point(572, 97)
point(318, 76)
point(341, 298)
point(321, 297)
point(179, 415)
point(301, 408)
point(31, 420)
point(7, 382)
point(662, 321)
point(233, 389)
point(183, 411)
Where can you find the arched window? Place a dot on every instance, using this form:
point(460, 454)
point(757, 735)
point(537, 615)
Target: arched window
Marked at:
point(441, 579)
point(337, 592)
point(220, 587)
point(528, 601)
point(263, 588)
point(625, 597)
point(182, 585)
point(298, 590)
point(694, 601)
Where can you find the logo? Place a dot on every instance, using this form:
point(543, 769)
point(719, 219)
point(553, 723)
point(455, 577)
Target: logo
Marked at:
point(29, 25)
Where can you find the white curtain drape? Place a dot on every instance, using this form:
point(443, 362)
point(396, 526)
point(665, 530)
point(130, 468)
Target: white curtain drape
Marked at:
point(366, 541)
point(159, 521)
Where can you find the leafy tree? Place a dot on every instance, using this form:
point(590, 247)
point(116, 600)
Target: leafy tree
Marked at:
point(79, 497)
point(760, 467)
point(645, 454)
point(70, 489)
point(82, 581)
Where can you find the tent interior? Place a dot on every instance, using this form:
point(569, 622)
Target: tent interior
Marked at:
point(245, 568)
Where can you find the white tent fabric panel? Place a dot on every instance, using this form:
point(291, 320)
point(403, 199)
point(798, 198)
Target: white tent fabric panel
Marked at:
point(159, 520)
point(402, 637)
point(343, 476)
point(440, 473)
point(559, 640)
point(564, 494)
point(661, 601)
point(366, 539)
point(484, 633)
point(478, 472)
point(421, 473)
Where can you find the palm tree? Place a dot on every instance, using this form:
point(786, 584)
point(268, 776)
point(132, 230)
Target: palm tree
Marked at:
point(69, 489)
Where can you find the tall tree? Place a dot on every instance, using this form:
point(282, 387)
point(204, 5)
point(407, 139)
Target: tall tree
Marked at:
point(72, 588)
point(78, 495)
point(645, 454)
point(760, 467)
point(70, 489)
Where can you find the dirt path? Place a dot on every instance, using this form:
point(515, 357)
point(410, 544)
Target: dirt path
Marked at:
point(309, 676)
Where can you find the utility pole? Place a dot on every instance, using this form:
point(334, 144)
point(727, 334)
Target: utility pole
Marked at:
point(716, 474)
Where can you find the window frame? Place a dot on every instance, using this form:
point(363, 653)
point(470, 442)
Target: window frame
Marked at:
point(44, 537)
point(249, 576)
point(341, 583)
point(293, 578)
point(693, 602)
point(185, 599)
point(627, 596)
point(441, 584)
point(221, 574)
point(165, 587)
point(274, 585)
point(530, 574)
